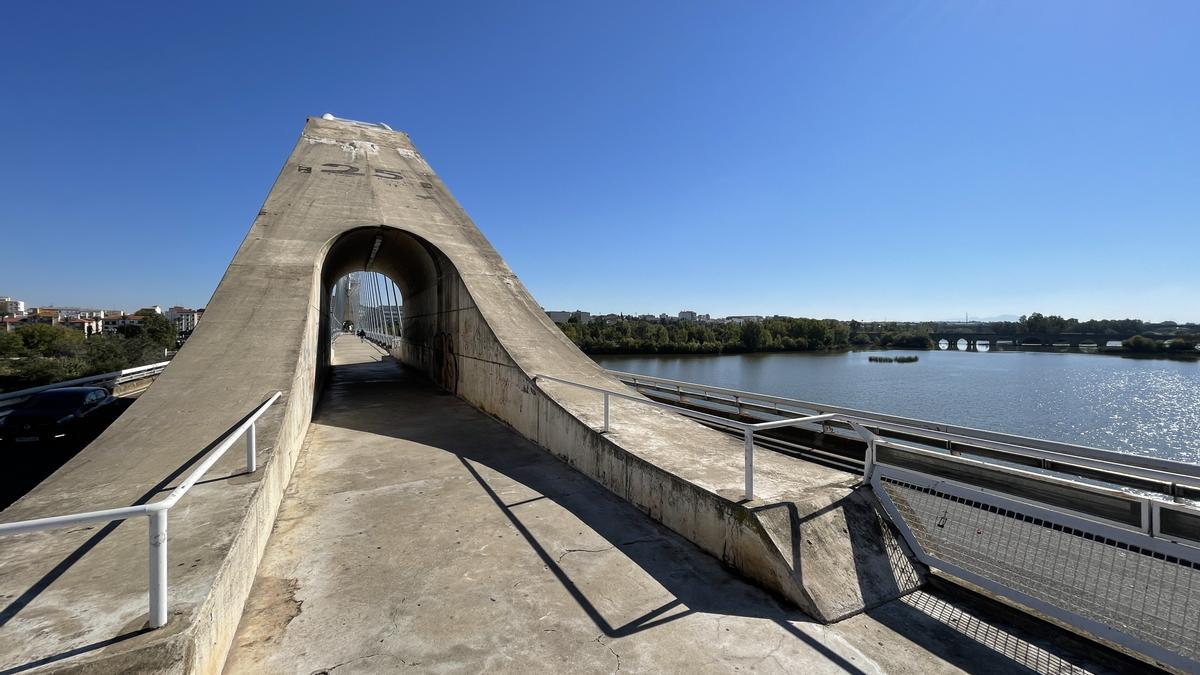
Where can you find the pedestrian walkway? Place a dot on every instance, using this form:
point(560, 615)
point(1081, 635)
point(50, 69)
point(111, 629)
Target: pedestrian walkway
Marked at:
point(418, 532)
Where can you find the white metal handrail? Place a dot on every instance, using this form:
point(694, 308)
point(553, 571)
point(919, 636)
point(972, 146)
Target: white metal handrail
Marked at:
point(748, 430)
point(157, 512)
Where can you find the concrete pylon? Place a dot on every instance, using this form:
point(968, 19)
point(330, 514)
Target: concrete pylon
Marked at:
point(353, 197)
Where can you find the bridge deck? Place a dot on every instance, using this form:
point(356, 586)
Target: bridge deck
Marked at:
point(417, 531)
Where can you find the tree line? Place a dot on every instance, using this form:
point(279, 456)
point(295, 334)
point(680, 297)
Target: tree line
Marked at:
point(628, 335)
point(1054, 325)
point(39, 353)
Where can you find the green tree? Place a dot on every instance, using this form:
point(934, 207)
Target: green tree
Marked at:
point(11, 345)
point(35, 371)
point(38, 337)
point(752, 336)
point(160, 331)
point(106, 353)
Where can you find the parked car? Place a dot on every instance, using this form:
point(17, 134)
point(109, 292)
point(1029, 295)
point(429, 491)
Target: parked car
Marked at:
point(64, 415)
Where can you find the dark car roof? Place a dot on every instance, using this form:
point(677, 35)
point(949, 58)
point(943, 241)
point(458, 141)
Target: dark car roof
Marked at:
point(70, 396)
point(66, 391)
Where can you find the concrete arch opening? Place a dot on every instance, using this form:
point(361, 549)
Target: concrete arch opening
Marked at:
point(423, 277)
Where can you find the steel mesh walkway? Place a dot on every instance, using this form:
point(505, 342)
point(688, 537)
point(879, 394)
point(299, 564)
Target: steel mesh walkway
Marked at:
point(1145, 594)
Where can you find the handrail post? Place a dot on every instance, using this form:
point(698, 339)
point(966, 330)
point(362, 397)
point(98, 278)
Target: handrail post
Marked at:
point(606, 412)
point(158, 568)
point(251, 448)
point(749, 436)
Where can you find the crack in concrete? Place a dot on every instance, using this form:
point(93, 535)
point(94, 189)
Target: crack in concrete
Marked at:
point(326, 671)
point(647, 540)
point(610, 650)
point(583, 550)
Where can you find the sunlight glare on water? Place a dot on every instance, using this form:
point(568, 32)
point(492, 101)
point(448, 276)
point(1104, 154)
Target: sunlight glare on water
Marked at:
point(1145, 407)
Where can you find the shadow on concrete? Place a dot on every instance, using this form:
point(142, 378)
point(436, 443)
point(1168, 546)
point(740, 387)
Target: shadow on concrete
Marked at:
point(73, 652)
point(698, 582)
point(30, 594)
point(694, 597)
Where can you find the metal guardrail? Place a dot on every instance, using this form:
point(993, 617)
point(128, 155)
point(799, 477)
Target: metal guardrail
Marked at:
point(1099, 482)
point(382, 339)
point(748, 430)
point(158, 512)
point(1134, 589)
point(1098, 540)
point(12, 398)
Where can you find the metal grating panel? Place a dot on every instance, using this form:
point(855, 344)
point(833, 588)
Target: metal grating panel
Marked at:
point(1144, 594)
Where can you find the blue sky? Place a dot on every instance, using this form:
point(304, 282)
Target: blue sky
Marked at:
point(868, 160)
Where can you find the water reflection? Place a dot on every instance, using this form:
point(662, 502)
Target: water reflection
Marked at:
point(1137, 406)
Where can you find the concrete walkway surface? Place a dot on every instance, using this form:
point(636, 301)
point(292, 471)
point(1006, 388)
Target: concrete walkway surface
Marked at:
point(419, 533)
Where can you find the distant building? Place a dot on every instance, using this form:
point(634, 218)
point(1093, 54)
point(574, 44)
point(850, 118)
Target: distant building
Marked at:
point(46, 315)
point(89, 325)
point(65, 313)
point(564, 317)
point(393, 314)
point(687, 315)
point(742, 319)
point(185, 319)
point(12, 323)
point(154, 309)
point(11, 306)
point(114, 321)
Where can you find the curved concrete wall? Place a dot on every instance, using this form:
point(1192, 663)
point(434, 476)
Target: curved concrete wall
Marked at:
point(470, 324)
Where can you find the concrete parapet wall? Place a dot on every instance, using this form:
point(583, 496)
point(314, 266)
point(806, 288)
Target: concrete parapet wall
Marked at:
point(829, 552)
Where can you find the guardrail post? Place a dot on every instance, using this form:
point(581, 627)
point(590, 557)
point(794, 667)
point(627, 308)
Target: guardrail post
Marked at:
point(158, 568)
point(749, 435)
point(606, 412)
point(869, 460)
point(251, 448)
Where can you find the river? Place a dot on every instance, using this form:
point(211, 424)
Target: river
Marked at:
point(1146, 407)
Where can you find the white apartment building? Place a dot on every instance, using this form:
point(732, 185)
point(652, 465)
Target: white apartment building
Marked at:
point(11, 306)
point(185, 319)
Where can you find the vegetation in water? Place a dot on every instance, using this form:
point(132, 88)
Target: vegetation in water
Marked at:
point(1180, 347)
